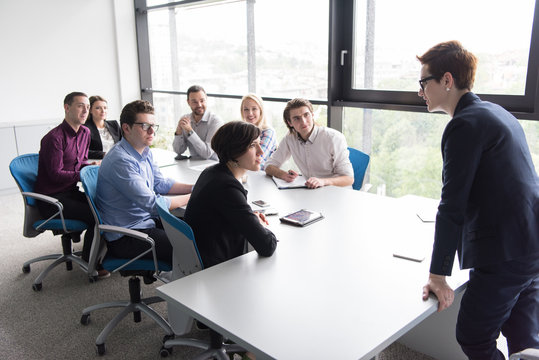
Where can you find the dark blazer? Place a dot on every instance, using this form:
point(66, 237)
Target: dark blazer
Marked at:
point(222, 220)
point(489, 209)
point(96, 147)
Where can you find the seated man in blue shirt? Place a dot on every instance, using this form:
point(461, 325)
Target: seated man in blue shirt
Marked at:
point(129, 183)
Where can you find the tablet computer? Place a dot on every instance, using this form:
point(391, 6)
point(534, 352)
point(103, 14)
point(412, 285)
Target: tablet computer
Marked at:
point(302, 217)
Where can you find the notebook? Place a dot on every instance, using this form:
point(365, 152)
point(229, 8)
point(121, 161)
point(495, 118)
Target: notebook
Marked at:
point(299, 182)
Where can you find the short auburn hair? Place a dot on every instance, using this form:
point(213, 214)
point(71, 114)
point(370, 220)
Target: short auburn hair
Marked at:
point(452, 57)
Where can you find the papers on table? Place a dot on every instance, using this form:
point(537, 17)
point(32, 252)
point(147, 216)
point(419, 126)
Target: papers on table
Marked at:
point(299, 182)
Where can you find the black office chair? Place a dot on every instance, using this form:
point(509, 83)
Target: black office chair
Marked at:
point(134, 268)
point(24, 170)
point(186, 261)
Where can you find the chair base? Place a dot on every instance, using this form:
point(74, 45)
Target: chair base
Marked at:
point(217, 349)
point(134, 305)
point(68, 257)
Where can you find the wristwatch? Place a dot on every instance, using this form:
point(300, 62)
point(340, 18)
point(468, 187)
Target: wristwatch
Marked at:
point(190, 133)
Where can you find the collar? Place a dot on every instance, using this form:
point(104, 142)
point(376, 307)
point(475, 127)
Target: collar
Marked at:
point(68, 129)
point(464, 101)
point(131, 150)
point(205, 117)
point(312, 137)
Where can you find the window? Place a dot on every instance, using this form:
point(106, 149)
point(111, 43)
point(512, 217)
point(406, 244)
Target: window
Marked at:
point(365, 85)
point(381, 70)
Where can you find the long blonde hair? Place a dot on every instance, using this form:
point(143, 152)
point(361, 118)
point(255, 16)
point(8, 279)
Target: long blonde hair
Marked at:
point(262, 123)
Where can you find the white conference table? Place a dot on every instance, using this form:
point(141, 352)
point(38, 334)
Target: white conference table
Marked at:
point(332, 290)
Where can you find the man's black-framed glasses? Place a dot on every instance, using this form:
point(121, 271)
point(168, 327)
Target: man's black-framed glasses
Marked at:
point(423, 81)
point(146, 126)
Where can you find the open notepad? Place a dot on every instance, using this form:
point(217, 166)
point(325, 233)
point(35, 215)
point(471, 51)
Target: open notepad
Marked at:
point(299, 182)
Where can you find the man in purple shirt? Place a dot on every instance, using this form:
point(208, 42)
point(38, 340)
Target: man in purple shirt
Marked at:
point(64, 151)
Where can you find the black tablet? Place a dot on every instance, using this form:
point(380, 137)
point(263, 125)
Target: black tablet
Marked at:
point(302, 217)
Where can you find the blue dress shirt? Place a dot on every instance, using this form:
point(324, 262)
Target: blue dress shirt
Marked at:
point(128, 185)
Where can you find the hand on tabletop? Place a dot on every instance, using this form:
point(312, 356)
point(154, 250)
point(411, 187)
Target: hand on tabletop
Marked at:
point(437, 285)
point(313, 183)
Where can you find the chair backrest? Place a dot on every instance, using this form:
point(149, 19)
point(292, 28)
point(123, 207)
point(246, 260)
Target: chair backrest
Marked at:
point(24, 170)
point(88, 178)
point(359, 161)
point(186, 258)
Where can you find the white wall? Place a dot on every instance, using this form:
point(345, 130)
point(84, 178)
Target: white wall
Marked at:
point(50, 48)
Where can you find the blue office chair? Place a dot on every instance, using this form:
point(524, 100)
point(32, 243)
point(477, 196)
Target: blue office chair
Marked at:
point(24, 170)
point(186, 260)
point(149, 269)
point(359, 161)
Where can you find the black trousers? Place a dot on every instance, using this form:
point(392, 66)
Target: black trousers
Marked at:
point(76, 208)
point(128, 247)
point(501, 297)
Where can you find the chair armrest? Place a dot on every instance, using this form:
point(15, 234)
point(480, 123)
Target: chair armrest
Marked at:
point(137, 235)
point(45, 198)
point(128, 232)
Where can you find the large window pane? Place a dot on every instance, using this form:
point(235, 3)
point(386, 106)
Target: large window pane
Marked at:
point(292, 48)
point(207, 43)
point(405, 149)
point(203, 45)
point(497, 32)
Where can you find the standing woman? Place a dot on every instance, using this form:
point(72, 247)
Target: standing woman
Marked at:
point(217, 211)
point(252, 111)
point(104, 133)
point(488, 213)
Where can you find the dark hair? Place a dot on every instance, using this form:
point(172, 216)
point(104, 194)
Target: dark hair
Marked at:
point(130, 111)
point(233, 139)
point(294, 104)
point(451, 57)
point(195, 88)
point(68, 100)
point(93, 99)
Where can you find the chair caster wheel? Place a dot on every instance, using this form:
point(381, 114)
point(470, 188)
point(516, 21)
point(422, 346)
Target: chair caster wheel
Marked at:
point(37, 287)
point(85, 319)
point(26, 269)
point(93, 279)
point(165, 352)
point(69, 265)
point(100, 349)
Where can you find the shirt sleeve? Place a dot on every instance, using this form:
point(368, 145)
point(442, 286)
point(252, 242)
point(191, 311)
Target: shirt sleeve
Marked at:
point(280, 155)
point(54, 163)
point(237, 212)
point(162, 185)
point(461, 157)
point(203, 147)
point(179, 144)
point(267, 143)
point(341, 160)
point(129, 181)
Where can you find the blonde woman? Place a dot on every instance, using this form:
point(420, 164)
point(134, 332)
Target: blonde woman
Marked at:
point(252, 111)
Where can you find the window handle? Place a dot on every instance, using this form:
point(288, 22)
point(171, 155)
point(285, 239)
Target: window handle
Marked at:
point(343, 52)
